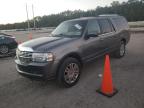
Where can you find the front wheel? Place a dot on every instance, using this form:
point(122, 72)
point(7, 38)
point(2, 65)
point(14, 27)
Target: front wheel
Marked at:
point(4, 49)
point(121, 51)
point(69, 72)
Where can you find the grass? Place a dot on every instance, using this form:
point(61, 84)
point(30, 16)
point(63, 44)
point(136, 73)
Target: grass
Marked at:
point(136, 24)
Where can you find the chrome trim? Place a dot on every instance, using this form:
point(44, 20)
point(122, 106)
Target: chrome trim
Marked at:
point(22, 48)
point(25, 57)
point(30, 74)
point(106, 33)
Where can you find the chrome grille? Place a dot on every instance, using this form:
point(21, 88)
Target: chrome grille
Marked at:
point(24, 56)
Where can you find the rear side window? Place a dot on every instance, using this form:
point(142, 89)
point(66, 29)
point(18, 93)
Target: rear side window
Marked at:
point(106, 26)
point(120, 23)
point(93, 27)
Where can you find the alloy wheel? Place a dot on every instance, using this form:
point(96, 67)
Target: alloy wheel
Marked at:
point(71, 73)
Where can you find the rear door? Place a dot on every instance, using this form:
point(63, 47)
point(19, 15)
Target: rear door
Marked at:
point(107, 36)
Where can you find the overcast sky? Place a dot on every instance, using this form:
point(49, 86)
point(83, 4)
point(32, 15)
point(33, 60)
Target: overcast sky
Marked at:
point(15, 10)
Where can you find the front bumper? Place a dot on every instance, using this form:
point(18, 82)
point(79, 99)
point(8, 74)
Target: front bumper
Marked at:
point(37, 70)
point(12, 52)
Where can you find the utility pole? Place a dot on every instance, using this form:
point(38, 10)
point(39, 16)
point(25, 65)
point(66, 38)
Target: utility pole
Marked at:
point(27, 17)
point(34, 25)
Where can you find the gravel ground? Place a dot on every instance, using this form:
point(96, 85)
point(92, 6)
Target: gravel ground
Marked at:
point(128, 76)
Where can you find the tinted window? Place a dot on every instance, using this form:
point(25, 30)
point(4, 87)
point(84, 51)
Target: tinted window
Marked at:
point(120, 23)
point(106, 26)
point(93, 27)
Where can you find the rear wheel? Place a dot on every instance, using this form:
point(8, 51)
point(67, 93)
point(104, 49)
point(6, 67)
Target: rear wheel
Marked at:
point(4, 49)
point(69, 72)
point(121, 51)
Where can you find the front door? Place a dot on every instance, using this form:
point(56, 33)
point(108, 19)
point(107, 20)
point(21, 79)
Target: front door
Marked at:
point(92, 46)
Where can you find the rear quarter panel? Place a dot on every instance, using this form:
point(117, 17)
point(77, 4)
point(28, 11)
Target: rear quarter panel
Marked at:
point(121, 27)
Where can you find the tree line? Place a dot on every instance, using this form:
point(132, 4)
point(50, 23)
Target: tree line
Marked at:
point(133, 10)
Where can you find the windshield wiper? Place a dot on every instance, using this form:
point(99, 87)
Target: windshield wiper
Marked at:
point(64, 35)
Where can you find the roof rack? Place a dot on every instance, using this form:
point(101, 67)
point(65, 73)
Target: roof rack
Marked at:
point(109, 15)
point(86, 17)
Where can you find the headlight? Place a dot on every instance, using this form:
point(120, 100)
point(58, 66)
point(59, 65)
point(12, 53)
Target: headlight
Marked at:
point(42, 57)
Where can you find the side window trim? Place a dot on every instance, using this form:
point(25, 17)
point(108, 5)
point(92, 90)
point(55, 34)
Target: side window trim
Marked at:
point(100, 27)
point(112, 26)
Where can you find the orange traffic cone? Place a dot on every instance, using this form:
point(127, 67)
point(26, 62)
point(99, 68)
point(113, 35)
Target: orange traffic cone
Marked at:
point(107, 87)
point(30, 36)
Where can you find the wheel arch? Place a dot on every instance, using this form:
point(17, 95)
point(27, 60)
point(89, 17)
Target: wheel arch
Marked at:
point(124, 40)
point(73, 55)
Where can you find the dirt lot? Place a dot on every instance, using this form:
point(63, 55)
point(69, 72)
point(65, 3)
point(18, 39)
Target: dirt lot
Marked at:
point(128, 76)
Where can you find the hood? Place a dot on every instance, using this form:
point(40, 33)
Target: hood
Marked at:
point(6, 35)
point(44, 44)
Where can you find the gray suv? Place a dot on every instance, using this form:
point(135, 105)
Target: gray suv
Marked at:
point(62, 54)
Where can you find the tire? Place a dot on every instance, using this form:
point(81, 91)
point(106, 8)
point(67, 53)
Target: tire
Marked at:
point(4, 49)
point(67, 75)
point(121, 51)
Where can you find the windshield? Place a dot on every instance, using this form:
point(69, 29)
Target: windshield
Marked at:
point(70, 29)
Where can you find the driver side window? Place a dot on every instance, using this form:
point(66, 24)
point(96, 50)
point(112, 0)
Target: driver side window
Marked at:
point(93, 27)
